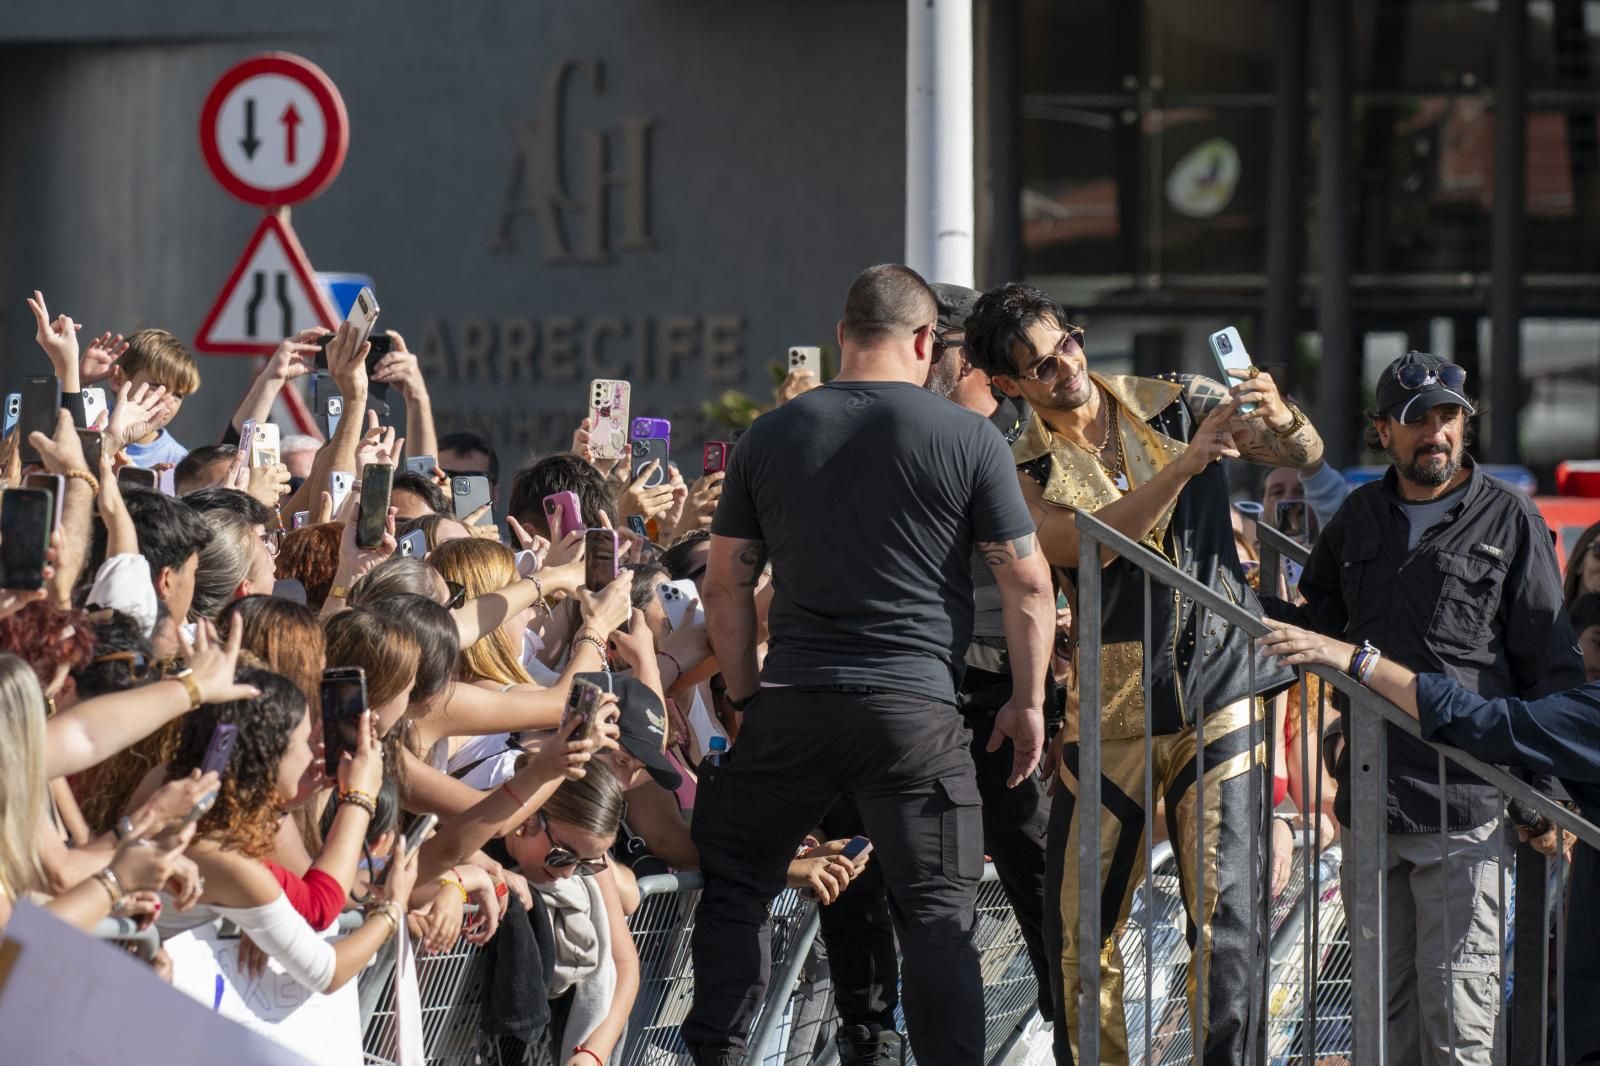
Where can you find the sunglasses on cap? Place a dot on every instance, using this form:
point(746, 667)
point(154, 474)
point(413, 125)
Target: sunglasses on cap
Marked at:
point(1047, 370)
point(1414, 376)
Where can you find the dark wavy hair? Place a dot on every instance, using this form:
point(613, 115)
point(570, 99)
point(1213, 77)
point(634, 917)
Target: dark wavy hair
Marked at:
point(1000, 320)
point(34, 635)
point(310, 555)
point(245, 817)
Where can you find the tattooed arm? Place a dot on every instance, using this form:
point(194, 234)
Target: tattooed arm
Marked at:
point(729, 595)
point(1028, 605)
point(1259, 433)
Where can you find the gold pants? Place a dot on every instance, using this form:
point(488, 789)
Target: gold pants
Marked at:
point(1220, 920)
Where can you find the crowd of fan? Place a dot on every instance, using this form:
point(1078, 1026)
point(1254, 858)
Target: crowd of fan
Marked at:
point(163, 616)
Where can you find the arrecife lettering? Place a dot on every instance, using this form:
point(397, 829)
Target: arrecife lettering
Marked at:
point(564, 349)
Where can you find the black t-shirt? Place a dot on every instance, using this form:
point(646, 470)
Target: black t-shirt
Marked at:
point(870, 497)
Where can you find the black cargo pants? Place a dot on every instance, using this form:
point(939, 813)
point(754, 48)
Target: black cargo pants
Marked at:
point(903, 761)
point(1016, 822)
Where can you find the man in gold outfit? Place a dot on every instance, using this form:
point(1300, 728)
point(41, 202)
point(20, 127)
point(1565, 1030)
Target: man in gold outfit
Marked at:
point(1142, 455)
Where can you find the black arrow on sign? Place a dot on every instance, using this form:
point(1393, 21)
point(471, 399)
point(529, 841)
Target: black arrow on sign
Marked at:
point(250, 142)
point(258, 289)
point(284, 306)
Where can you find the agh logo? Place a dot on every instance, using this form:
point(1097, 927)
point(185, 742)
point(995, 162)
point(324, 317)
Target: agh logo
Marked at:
point(587, 189)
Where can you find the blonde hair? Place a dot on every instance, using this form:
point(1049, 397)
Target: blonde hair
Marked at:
point(225, 562)
point(481, 567)
point(163, 359)
point(22, 780)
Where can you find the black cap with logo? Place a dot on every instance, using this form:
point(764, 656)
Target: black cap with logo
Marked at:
point(643, 723)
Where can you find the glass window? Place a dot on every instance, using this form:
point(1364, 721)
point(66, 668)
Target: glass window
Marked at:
point(1421, 45)
point(1072, 222)
point(1563, 44)
point(1085, 46)
point(1216, 46)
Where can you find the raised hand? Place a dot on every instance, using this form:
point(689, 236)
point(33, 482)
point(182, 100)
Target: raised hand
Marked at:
point(295, 356)
point(94, 366)
point(214, 663)
point(401, 369)
point(59, 339)
point(268, 484)
point(139, 412)
point(347, 361)
point(63, 450)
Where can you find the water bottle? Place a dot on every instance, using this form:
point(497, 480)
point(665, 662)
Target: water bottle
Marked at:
point(718, 748)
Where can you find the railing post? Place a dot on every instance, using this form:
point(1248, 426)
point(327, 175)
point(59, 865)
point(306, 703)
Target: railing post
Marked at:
point(1363, 888)
point(1525, 1035)
point(1088, 610)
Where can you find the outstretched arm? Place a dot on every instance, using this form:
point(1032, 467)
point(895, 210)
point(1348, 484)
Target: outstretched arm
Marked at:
point(1268, 435)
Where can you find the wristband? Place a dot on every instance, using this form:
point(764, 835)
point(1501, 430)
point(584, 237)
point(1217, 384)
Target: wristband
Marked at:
point(108, 881)
point(85, 477)
point(506, 788)
point(339, 592)
point(740, 705)
point(673, 660)
point(186, 678)
point(456, 884)
point(587, 637)
point(581, 1050)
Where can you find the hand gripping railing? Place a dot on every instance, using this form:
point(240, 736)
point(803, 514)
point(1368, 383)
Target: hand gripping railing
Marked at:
point(1364, 889)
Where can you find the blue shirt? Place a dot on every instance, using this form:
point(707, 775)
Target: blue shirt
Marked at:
point(164, 449)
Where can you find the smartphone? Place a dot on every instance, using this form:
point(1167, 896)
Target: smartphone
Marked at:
point(806, 359)
point(13, 411)
point(167, 481)
point(363, 315)
point(344, 699)
point(247, 444)
point(582, 702)
point(857, 847)
point(608, 418)
point(264, 449)
point(300, 518)
point(202, 805)
point(649, 449)
point(381, 344)
point(599, 558)
point(413, 545)
point(90, 441)
point(339, 482)
point(332, 411)
point(467, 494)
point(41, 399)
point(1297, 520)
point(571, 514)
point(54, 484)
point(637, 524)
point(371, 519)
point(676, 598)
point(1231, 355)
point(94, 407)
point(422, 464)
point(26, 517)
point(221, 746)
point(418, 834)
point(136, 477)
point(714, 458)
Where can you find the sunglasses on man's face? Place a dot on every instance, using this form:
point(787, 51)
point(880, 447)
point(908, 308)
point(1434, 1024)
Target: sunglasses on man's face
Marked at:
point(1048, 371)
point(942, 345)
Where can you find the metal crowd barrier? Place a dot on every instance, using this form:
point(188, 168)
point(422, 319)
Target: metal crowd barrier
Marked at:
point(662, 928)
point(1322, 1016)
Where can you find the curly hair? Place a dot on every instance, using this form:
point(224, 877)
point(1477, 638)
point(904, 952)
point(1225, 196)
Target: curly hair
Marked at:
point(35, 635)
point(310, 555)
point(482, 567)
point(245, 817)
point(999, 324)
point(286, 635)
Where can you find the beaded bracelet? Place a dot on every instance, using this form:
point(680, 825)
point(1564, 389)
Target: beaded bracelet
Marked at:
point(360, 799)
point(456, 884)
point(587, 637)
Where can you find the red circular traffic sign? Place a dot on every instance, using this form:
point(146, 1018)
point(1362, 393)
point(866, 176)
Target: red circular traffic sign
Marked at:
point(274, 130)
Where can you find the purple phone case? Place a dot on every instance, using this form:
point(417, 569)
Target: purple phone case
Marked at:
point(652, 427)
point(220, 748)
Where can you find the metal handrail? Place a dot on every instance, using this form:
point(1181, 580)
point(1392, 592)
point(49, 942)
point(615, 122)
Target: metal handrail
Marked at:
point(1275, 546)
point(1163, 572)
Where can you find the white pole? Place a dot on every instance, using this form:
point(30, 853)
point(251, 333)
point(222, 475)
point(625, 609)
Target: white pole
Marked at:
point(939, 165)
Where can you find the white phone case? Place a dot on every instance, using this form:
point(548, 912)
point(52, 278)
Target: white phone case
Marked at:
point(264, 452)
point(608, 418)
point(1229, 349)
point(339, 483)
point(805, 358)
point(675, 598)
point(94, 407)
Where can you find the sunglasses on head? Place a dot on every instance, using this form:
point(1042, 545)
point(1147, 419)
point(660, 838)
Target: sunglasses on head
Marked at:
point(458, 595)
point(560, 857)
point(141, 667)
point(1414, 376)
point(1049, 369)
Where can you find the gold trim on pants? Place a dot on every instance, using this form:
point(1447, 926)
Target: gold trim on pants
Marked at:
point(1122, 855)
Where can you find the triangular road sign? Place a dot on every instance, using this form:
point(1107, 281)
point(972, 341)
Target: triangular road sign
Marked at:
point(270, 295)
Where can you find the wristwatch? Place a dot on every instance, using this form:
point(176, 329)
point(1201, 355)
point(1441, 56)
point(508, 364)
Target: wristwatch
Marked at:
point(1295, 425)
point(186, 676)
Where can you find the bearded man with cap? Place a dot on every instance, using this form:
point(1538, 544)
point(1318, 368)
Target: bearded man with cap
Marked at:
point(1448, 571)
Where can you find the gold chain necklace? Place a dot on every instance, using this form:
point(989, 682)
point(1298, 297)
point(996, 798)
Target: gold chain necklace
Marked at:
point(1113, 470)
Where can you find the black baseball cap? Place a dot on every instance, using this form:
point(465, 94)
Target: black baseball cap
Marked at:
point(1418, 381)
point(955, 304)
point(643, 724)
